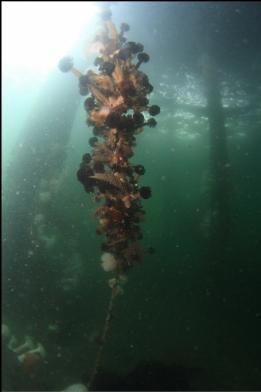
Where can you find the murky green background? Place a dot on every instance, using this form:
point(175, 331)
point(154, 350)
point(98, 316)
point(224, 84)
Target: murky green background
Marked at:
point(180, 306)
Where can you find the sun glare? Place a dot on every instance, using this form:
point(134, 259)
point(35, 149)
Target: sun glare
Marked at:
point(37, 34)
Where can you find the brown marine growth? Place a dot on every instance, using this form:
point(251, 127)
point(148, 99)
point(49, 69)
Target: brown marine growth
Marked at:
point(118, 96)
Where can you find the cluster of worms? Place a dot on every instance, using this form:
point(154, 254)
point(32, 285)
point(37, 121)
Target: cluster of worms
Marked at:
point(117, 97)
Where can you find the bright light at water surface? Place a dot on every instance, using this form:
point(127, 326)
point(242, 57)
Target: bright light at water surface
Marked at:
point(37, 34)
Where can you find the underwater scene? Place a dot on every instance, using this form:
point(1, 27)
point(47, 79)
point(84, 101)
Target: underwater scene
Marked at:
point(131, 189)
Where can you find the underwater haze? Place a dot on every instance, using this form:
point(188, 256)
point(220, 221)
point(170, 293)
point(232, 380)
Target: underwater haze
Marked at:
point(189, 317)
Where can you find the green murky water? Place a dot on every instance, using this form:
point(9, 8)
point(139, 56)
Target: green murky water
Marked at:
point(189, 304)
